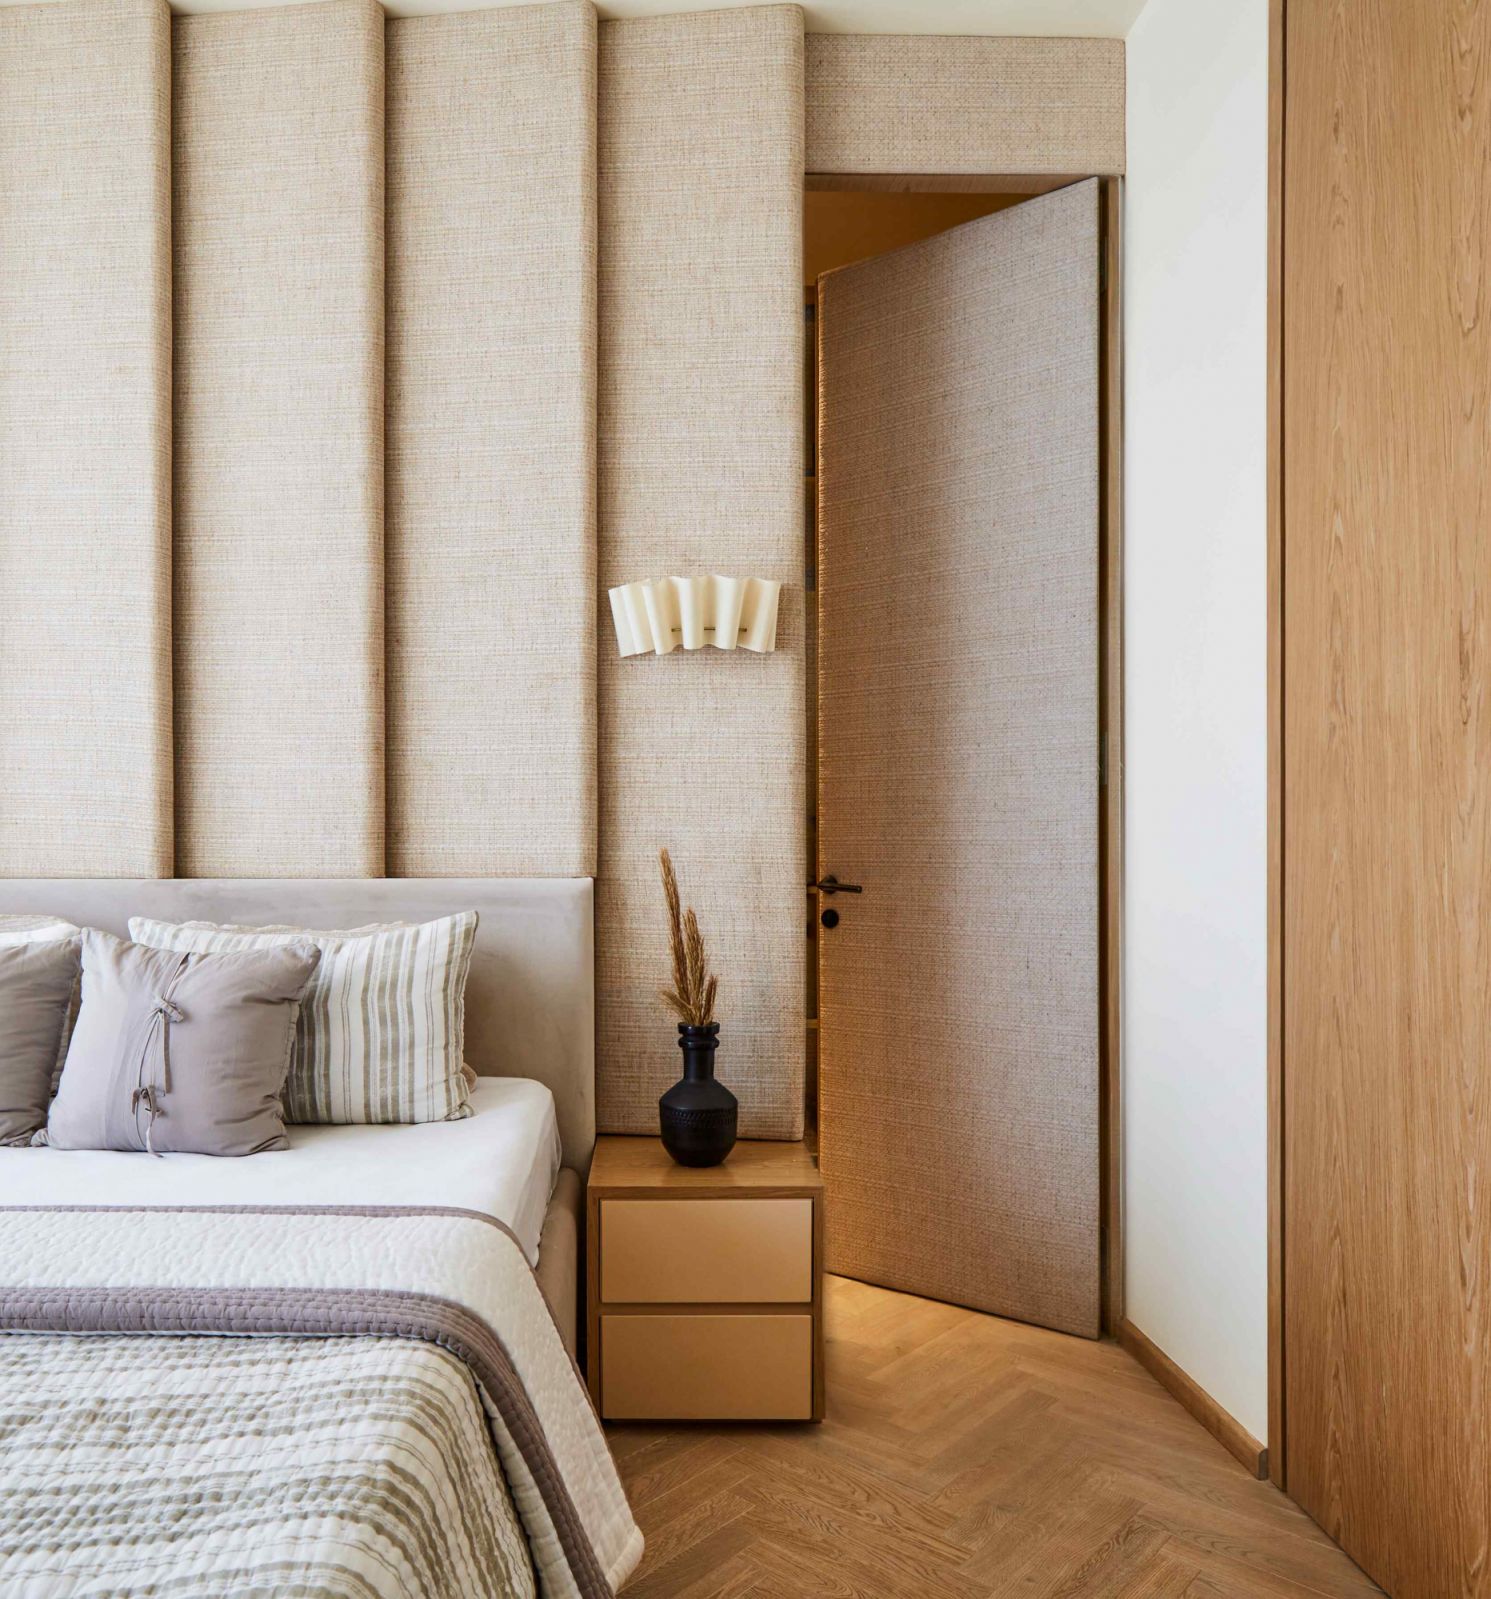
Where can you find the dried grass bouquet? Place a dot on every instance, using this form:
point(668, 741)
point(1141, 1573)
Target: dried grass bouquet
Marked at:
point(691, 999)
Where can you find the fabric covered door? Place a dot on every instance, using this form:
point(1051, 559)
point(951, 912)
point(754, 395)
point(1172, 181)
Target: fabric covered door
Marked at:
point(958, 776)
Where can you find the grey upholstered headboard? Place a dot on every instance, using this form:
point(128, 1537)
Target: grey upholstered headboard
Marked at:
point(530, 1001)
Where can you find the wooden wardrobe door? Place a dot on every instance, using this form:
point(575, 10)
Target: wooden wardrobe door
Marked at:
point(1387, 784)
point(958, 764)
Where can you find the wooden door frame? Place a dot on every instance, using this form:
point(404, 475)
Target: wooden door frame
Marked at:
point(1110, 734)
point(1110, 662)
point(1277, 1419)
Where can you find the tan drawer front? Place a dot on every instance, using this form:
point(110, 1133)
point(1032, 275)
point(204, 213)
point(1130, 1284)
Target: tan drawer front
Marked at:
point(707, 1368)
point(706, 1251)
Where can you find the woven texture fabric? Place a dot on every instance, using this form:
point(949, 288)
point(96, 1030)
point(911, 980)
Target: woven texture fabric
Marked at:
point(701, 462)
point(898, 103)
point(383, 1022)
point(278, 218)
point(85, 439)
point(491, 443)
point(958, 506)
point(329, 1466)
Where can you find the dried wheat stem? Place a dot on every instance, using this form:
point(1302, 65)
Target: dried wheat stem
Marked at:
point(694, 985)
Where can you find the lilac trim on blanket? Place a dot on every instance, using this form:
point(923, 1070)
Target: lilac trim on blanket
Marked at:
point(336, 1210)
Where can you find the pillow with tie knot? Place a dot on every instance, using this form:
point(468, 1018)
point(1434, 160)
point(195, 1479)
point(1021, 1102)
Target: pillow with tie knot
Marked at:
point(180, 1053)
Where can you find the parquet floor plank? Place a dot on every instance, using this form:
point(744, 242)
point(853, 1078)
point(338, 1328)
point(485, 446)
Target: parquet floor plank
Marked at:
point(966, 1457)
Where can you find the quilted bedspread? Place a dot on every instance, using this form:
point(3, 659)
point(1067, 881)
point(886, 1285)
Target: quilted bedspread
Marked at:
point(324, 1401)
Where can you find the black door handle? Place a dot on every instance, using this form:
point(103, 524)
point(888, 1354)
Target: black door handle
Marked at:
point(831, 885)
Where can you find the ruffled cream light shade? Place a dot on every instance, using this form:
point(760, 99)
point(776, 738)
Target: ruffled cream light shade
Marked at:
point(658, 615)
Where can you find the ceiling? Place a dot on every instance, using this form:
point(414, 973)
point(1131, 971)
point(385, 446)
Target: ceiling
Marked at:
point(1101, 19)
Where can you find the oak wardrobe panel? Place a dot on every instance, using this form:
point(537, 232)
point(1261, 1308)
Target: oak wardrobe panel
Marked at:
point(1387, 784)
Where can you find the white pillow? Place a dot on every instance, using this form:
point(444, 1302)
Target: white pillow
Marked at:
point(34, 930)
point(382, 1024)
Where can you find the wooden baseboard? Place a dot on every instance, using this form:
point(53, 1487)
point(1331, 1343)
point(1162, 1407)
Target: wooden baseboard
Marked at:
point(1226, 1429)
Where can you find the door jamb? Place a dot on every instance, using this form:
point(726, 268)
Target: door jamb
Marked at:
point(1277, 1418)
point(1110, 733)
point(940, 182)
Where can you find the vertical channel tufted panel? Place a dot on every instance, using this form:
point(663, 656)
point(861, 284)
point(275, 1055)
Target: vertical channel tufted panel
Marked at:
point(85, 453)
point(278, 144)
point(701, 465)
point(491, 442)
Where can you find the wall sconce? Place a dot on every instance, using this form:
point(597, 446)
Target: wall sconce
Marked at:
point(659, 614)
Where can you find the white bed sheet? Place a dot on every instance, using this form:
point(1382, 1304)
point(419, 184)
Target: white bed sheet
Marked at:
point(502, 1160)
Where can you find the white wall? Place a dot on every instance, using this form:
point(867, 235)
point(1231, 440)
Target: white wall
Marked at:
point(1195, 995)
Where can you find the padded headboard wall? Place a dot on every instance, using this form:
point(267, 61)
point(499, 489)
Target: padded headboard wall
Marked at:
point(491, 442)
point(470, 315)
point(277, 134)
point(85, 438)
point(298, 739)
point(702, 452)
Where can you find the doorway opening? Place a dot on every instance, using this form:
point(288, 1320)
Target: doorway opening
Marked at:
point(839, 227)
point(859, 222)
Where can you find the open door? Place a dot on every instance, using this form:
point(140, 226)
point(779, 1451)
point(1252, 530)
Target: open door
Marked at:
point(958, 508)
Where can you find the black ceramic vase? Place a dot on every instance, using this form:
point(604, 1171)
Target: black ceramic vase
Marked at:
point(697, 1114)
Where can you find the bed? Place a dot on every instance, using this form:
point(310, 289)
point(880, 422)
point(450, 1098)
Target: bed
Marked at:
point(342, 1368)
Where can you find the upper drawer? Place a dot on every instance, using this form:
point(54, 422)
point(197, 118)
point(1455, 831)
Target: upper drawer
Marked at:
point(706, 1251)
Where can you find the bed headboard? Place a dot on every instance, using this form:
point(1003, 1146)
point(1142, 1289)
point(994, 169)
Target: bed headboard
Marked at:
point(530, 1001)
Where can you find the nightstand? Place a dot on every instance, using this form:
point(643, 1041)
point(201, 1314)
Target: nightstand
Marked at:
point(705, 1294)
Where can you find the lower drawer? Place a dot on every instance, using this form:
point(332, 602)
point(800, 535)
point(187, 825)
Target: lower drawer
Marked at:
point(706, 1368)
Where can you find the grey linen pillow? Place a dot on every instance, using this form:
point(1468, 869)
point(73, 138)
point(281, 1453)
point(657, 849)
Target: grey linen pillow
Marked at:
point(178, 1052)
point(27, 929)
point(36, 989)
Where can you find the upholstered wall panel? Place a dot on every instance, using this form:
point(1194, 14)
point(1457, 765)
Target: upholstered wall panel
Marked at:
point(898, 103)
point(278, 144)
point(491, 442)
point(85, 385)
point(701, 463)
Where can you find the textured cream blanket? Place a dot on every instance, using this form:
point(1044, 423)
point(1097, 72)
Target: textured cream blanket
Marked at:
point(434, 1299)
point(353, 1467)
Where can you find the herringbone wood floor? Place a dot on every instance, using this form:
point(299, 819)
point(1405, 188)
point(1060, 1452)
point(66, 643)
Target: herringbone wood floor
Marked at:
point(965, 1456)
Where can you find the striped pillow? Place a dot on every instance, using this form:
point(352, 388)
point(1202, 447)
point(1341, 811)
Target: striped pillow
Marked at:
point(382, 1024)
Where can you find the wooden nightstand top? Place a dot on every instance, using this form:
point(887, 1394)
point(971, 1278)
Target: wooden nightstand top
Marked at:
point(641, 1166)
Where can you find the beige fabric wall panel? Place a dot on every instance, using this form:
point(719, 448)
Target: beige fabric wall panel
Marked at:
point(85, 451)
point(491, 442)
point(278, 143)
point(701, 462)
point(896, 103)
